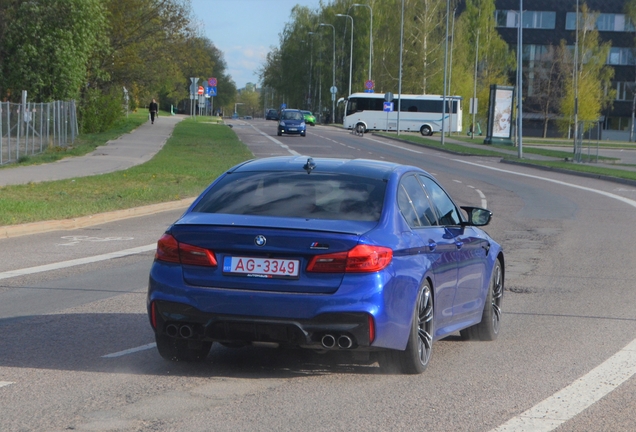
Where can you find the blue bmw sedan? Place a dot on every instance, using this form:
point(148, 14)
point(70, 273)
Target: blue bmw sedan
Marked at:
point(325, 254)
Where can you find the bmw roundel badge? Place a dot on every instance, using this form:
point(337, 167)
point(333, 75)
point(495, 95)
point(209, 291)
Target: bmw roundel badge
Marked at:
point(260, 240)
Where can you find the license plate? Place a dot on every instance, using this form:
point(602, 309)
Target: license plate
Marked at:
point(261, 267)
point(292, 129)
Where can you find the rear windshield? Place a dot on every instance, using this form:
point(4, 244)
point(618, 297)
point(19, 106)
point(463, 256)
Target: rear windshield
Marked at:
point(299, 195)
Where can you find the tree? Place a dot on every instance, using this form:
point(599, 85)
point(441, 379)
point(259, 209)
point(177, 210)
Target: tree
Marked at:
point(594, 76)
point(547, 86)
point(47, 46)
point(250, 101)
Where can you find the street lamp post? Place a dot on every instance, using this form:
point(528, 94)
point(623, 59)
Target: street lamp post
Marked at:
point(333, 80)
point(351, 51)
point(311, 59)
point(235, 105)
point(370, 35)
point(520, 83)
point(445, 73)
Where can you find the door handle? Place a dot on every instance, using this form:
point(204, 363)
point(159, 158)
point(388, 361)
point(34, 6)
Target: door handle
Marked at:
point(432, 246)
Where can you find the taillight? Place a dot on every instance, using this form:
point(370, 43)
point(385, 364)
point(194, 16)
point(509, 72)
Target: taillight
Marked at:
point(167, 249)
point(170, 250)
point(371, 329)
point(360, 259)
point(153, 315)
point(195, 255)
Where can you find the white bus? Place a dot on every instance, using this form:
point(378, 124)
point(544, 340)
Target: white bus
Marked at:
point(418, 113)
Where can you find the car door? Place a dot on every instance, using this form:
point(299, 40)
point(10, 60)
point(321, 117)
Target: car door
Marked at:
point(470, 253)
point(436, 243)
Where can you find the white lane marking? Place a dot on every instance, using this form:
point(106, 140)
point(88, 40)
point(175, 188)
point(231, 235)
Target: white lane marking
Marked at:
point(600, 192)
point(5, 383)
point(131, 350)
point(76, 262)
point(396, 146)
point(295, 153)
point(73, 240)
point(573, 399)
point(484, 202)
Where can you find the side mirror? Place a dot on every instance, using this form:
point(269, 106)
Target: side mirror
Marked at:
point(478, 216)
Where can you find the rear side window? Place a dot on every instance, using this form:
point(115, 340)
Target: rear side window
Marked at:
point(444, 206)
point(299, 195)
point(414, 203)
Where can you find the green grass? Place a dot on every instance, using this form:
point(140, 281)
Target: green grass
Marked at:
point(196, 154)
point(509, 153)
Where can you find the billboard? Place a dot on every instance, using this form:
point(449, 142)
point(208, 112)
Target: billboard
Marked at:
point(500, 115)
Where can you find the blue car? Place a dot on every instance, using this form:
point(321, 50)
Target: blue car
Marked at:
point(325, 254)
point(292, 122)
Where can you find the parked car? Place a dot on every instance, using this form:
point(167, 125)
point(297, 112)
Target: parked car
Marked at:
point(271, 114)
point(291, 121)
point(325, 254)
point(310, 119)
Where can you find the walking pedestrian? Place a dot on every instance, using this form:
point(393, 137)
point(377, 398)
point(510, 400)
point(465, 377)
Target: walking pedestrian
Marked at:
point(154, 111)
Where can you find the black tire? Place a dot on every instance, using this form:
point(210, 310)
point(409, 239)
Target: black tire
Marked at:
point(279, 133)
point(174, 349)
point(360, 129)
point(303, 134)
point(488, 328)
point(417, 355)
point(426, 130)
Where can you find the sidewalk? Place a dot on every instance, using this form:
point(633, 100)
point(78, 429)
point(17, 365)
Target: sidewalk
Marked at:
point(132, 149)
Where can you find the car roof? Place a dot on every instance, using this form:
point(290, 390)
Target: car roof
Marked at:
point(362, 167)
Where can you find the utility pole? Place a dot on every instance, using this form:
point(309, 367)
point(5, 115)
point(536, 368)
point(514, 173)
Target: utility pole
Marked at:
point(520, 84)
point(445, 73)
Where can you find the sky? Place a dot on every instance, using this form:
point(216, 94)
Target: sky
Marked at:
point(245, 31)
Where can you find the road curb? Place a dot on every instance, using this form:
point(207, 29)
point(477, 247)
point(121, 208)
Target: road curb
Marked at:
point(86, 221)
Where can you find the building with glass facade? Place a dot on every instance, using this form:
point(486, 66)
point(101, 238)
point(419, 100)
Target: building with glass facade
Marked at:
point(545, 24)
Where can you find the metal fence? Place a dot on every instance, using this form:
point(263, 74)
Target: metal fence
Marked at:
point(29, 128)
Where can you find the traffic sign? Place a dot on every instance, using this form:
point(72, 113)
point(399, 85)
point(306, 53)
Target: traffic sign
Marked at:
point(387, 107)
point(333, 90)
point(212, 82)
point(369, 85)
point(193, 85)
point(211, 91)
point(200, 90)
point(388, 96)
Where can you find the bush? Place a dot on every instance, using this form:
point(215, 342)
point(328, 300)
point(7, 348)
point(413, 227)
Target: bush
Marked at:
point(99, 110)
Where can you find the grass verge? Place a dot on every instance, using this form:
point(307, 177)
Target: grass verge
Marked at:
point(504, 152)
point(196, 153)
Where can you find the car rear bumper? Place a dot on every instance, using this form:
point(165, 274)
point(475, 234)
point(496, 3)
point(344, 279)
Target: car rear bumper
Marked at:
point(387, 300)
point(325, 331)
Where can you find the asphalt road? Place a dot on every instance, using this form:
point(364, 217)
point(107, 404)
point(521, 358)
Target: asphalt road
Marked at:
point(76, 348)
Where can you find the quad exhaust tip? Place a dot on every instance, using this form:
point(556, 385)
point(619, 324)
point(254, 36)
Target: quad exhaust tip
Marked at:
point(184, 331)
point(329, 341)
point(345, 342)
